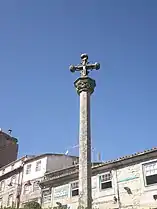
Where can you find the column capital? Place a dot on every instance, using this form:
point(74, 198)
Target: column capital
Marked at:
point(85, 84)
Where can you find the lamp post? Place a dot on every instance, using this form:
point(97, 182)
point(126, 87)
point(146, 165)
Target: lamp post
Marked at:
point(85, 87)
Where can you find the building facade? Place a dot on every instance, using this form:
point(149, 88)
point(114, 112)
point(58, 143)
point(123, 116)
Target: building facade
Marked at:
point(8, 149)
point(35, 169)
point(129, 182)
point(11, 181)
point(19, 180)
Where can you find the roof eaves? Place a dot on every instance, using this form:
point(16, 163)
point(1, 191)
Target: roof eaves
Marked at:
point(118, 160)
point(48, 154)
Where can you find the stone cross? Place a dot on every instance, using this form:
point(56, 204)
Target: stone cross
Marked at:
point(85, 87)
point(85, 66)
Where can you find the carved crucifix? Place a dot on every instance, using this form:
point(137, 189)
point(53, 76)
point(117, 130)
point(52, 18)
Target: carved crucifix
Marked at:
point(84, 66)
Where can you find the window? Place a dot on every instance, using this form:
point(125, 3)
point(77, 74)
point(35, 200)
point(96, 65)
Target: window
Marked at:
point(150, 172)
point(28, 169)
point(26, 189)
point(36, 186)
point(13, 180)
point(105, 181)
point(2, 185)
point(74, 189)
point(10, 200)
point(38, 166)
point(46, 196)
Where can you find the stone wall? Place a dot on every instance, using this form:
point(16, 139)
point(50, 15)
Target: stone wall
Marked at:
point(8, 149)
point(128, 191)
point(8, 154)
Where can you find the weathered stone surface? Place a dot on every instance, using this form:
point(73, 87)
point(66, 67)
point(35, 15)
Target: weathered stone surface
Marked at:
point(130, 175)
point(85, 87)
point(85, 84)
point(84, 67)
point(85, 151)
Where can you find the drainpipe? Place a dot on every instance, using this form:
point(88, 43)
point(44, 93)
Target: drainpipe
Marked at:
point(19, 187)
point(41, 199)
point(118, 195)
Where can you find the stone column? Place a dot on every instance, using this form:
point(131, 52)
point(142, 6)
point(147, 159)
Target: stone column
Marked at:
point(85, 87)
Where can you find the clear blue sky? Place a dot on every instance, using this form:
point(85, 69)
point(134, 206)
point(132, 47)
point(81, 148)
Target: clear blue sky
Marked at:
point(40, 39)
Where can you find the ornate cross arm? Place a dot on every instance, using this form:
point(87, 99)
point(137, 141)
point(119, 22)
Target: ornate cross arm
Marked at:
point(95, 66)
point(74, 68)
point(85, 66)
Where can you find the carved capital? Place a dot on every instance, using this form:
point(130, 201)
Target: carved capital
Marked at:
point(85, 84)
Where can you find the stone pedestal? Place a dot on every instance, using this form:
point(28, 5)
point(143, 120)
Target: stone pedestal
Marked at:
point(85, 87)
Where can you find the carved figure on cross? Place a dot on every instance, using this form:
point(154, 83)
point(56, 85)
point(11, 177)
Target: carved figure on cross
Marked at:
point(84, 66)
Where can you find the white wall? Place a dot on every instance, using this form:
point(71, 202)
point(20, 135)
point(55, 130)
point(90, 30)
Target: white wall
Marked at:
point(10, 167)
point(35, 174)
point(130, 176)
point(6, 174)
point(48, 163)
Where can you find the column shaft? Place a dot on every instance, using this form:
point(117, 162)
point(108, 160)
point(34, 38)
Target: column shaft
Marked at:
point(85, 152)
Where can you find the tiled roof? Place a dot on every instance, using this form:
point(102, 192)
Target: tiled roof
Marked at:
point(154, 149)
point(74, 169)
